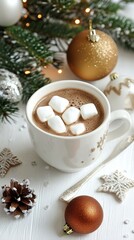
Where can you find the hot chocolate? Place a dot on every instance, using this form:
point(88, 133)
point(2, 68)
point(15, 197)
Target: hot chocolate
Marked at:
point(76, 98)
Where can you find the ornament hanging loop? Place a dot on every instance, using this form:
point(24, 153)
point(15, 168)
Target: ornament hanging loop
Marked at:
point(92, 33)
point(90, 25)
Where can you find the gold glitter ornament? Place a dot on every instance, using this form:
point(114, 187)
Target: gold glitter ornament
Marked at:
point(92, 55)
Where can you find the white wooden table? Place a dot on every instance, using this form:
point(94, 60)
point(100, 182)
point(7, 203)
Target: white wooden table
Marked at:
point(47, 218)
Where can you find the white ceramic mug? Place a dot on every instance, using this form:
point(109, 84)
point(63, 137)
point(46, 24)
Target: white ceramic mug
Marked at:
point(71, 154)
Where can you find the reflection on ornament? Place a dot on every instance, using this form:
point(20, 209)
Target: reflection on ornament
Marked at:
point(92, 55)
point(10, 12)
point(10, 86)
point(120, 92)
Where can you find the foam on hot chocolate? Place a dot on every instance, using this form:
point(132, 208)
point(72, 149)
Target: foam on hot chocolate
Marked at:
point(77, 98)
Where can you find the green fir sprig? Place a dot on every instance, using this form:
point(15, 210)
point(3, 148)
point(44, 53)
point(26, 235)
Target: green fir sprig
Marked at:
point(32, 43)
point(7, 110)
point(120, 27)
point(17, 59)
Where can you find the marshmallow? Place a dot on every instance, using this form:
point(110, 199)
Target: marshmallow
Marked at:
point(59, 104)
point(44, 113)
point(78, 128)
point(56, 124)
point(88, 110)
point(71, 115)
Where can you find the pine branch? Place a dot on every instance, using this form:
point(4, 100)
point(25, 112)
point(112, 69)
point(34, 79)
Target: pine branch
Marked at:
point(127, 1)
point(32, 83)
point(60, 24)
point(7, 110)
point(59, 10)
point(121, 28)
point(56, 29)
point(17, 60)
point(106, 6)
point(58, 4)
point(31, 42)
point(53, 6)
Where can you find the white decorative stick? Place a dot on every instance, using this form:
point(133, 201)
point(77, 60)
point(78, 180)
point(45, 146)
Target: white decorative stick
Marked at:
point(71, 192)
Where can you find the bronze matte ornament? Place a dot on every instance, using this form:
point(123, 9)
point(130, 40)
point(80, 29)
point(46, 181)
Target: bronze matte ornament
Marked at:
point(83, 215)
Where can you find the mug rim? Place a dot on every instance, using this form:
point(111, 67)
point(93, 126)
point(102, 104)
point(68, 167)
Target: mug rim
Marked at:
point(106, 114)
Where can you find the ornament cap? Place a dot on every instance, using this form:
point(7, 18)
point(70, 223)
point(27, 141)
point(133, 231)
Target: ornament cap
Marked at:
point(113, 76)
point(92, 33)
point(68, 230)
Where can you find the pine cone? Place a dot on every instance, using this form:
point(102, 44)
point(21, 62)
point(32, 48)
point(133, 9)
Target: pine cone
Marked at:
point(18, 198)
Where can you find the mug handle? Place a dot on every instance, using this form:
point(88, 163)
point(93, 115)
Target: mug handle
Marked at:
point(124, 126)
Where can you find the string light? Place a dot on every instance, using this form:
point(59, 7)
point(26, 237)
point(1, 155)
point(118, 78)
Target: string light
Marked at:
point(27, 24)
point(24, 3)
point(39, 16)
point(59, 71)
point(77, 21)
point(27, 72)
point(87, 10)
point(25, 16)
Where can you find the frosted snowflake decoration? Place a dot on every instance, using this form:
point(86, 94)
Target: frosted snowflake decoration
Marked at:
point(116, 183)
point(7, 160)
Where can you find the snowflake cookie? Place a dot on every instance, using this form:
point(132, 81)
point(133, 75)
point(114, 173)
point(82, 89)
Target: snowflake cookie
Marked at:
point(7, 160)
point(116, 183)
